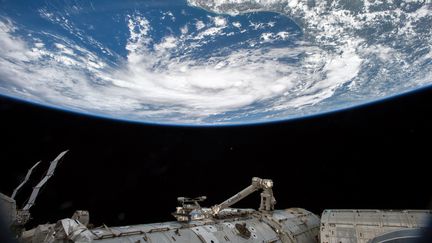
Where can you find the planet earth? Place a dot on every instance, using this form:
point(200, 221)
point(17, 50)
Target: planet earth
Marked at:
point(212, 62)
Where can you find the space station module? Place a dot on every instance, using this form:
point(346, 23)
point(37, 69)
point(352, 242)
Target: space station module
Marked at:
point(222, 223)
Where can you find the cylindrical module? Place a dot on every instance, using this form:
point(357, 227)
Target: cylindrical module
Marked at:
point(291, 225)
point(370, 226)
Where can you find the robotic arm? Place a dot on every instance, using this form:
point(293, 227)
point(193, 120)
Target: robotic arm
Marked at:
point(267, 199)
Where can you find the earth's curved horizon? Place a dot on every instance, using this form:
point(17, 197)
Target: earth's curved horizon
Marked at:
point(221, 125)
point(213, 62)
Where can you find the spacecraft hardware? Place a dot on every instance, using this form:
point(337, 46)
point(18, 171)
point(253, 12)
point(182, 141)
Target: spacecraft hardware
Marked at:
point(222, 223)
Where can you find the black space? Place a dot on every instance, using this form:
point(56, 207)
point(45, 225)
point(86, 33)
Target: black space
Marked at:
point(375, 156)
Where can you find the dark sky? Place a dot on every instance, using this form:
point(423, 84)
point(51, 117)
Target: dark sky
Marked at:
point(376, 156)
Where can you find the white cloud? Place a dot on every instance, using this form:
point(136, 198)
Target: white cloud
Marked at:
point(199, 25)
point(184, 30)
point(283, 35)
point(237, 24)
point(220, 21)
point(266, 37)
point(168, 42)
